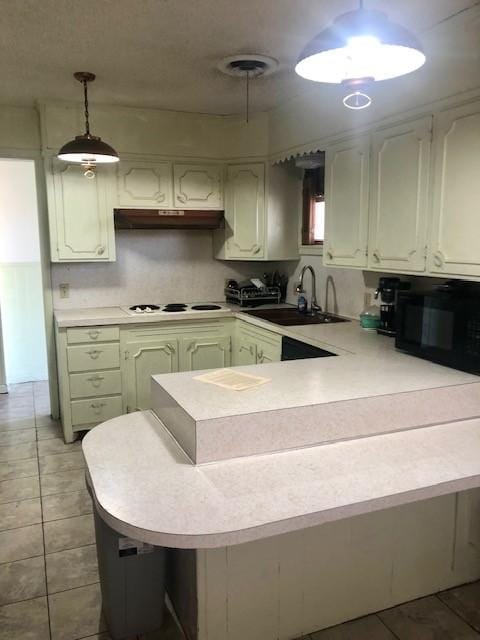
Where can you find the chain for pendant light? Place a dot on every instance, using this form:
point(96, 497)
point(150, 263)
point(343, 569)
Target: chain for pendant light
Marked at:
point(85, 98)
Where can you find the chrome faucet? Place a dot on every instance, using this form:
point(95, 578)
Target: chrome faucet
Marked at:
point(315, 307)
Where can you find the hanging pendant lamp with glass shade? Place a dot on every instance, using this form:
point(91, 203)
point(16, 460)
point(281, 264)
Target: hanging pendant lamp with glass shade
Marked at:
point(358, 48)
point(87, 149)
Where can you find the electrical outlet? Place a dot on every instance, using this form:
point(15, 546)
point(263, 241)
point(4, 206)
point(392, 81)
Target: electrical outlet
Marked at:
point(64, 290)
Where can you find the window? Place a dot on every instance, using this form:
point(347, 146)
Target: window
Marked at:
point(313, 207)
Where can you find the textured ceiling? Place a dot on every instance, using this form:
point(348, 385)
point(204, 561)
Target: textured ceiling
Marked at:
point(163, 53)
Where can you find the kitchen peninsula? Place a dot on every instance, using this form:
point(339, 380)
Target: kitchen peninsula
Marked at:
point(280, 533)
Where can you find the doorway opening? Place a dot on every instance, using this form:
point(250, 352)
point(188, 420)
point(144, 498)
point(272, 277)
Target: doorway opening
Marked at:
point(23, 352)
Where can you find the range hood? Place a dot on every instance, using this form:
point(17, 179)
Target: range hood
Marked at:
point(167, 219)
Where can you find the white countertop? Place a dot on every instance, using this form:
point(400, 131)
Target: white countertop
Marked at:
point(145, 486)
point(300, 383)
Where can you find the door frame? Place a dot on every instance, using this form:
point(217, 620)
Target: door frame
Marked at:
point(43, 230)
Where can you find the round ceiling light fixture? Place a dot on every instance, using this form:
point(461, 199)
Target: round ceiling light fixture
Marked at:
point(360, 46)
point(87, 149)
point(249, 66)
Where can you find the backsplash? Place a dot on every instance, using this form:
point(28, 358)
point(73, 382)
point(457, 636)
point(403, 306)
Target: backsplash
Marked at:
point(154, 266)
point(342, 291)
point(177, 266)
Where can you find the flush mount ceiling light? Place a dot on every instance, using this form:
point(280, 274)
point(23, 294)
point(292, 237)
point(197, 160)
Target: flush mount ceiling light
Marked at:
point(360, 47)
point(87, 149)
point(248, 66)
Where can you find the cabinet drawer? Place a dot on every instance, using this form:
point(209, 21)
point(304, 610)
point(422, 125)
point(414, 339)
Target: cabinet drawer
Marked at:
point(92, 384)
point(91, 357)
point(95, 410)
point(93, 334)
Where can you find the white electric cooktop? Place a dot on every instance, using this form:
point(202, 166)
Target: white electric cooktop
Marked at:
point(174, 308)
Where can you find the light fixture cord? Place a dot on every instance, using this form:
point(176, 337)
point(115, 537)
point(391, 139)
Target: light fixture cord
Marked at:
point(361, 4)
point(248, 96)
point(85, 96)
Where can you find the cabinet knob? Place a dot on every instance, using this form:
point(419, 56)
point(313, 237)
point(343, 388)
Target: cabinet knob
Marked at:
point(101, 250)
point(256, 249)
point(97, 406)
point(181, 197)
point(94, 353)
point(96, 380)
point(94, 334)
point(376, 255)
point(329, 255)
point(260, 355)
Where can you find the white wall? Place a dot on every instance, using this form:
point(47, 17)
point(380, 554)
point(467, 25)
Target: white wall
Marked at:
point(21, 294)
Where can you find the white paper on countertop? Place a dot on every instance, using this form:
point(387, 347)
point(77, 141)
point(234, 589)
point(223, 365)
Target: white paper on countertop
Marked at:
point(232, 380)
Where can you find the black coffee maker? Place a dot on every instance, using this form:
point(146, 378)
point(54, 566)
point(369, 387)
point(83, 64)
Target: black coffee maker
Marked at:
point(387, 290)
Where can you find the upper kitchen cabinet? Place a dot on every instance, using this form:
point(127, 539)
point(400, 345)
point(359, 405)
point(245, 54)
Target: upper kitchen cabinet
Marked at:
point(80, 213)
point(144, 185)
point(261, 213)
point(245, 211)
point(198, 186)
point(454, 248)
point(399, 197)
point(346, 203)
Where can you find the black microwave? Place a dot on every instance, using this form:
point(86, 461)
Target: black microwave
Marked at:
point(441, 325)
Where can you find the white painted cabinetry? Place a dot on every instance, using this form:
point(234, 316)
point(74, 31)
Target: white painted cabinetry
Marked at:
point(245, 210)
point(144, 184)
point(346, 203)
point(399, 197)
point(262, 204)
point(454, 245)
point(80, 213)
point(198, 186)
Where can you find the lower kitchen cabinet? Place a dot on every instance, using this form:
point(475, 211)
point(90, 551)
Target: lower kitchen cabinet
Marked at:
point(256, 346)
point(89, 377)
point(205, 353)
point(142, 359)
point(155, 349)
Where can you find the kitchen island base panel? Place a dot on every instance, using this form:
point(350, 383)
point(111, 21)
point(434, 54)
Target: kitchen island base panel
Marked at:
point(297, 583)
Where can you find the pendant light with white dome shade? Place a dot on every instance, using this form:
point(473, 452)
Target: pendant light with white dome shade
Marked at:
point(87, 149)
point(358, 48)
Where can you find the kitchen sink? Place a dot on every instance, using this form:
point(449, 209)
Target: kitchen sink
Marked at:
point(290, 316)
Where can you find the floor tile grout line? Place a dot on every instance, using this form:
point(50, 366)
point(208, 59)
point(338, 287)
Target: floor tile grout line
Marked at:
point(23, 526)
point(386, 625)
point(80, 546)
point(456, 613)
point(39, 555)
point(88, 584)
point(64, 517)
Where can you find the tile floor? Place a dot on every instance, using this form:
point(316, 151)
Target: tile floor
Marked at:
point(49, 587)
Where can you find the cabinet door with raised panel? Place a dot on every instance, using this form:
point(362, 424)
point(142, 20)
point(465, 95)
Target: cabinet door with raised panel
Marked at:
point(144, 184)
point(454, 244)
point(205, 352)
point(245, 211)
point(198, 186)
point(399, 197)
point(81, 214)
point(346, 203)
point(142, 360)
point(245, 351)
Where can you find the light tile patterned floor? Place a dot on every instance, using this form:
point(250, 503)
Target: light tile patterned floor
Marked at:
point(49, 587)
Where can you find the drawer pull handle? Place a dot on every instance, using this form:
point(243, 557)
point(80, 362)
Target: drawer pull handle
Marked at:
point(101, 250)
point(97, 406)
point(94, 353)
point(96, 380)
point(94, 334)
point(260, 355)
